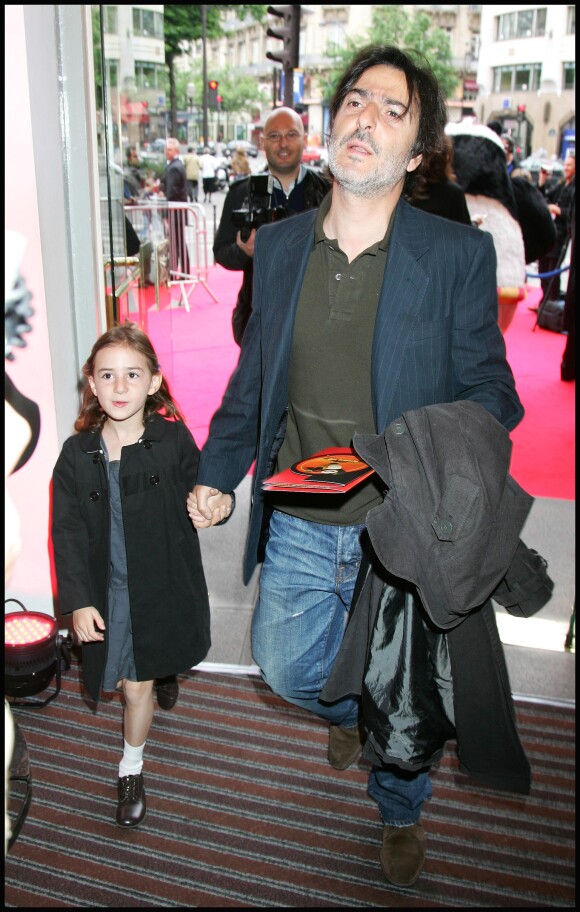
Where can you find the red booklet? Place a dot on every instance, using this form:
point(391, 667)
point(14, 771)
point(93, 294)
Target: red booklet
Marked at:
point(334, 470)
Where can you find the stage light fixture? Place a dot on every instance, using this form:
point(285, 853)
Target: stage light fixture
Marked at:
point(35, 651)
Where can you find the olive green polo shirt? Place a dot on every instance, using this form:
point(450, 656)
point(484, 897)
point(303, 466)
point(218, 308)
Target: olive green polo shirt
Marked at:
point(330, 395)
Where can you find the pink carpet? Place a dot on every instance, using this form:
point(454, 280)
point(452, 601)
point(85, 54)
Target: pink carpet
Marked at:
point(198, 355)
point(543, 457)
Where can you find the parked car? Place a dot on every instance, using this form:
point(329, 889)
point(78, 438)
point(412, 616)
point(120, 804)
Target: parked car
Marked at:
point(315, 156)
point(154, 152)
point(248, 147)
point(533, 164)
point(202, 146)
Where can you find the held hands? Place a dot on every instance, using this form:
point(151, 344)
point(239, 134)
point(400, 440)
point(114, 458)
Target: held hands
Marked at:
point(247, 246)
point(208, 506)
point(85, 624)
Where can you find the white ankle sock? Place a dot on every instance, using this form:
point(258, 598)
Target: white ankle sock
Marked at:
point(132, 761)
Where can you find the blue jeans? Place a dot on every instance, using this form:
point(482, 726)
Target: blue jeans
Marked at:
point(306, 588)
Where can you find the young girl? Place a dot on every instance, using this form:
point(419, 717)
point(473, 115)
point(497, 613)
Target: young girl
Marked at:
point(127, 558)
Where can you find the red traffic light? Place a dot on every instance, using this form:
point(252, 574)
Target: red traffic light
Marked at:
point(212, 99)
point(522, 108)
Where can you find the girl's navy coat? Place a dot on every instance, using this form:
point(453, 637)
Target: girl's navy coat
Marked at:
point(167, 588)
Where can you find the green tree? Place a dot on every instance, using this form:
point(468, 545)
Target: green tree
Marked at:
point(97, 61)
point(183, 23)
point(414, 34)
point(238, 92)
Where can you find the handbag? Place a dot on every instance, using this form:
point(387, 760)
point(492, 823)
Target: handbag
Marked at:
point(551, 316)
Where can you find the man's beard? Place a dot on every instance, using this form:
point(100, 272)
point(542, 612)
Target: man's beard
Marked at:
point(389, 169)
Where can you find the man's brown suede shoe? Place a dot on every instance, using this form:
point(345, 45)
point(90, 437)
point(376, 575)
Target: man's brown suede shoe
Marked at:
point(403, 854)
point(344, 746)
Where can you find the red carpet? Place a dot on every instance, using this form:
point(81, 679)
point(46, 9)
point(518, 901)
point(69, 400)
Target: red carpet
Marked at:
point(543, 457)
point(198, 355)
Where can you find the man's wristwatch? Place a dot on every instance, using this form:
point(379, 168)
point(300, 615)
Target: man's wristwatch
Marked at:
point(232, 508)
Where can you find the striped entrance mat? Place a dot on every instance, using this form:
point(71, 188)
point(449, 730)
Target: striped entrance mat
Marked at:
point(244, 810)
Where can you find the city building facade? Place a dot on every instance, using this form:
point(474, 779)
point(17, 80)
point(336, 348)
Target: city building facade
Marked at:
point(515, 64)
point(323, 26)
point(134, 73)
point(527, 75)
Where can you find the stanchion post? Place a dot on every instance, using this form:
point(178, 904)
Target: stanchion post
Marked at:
point(214, 227)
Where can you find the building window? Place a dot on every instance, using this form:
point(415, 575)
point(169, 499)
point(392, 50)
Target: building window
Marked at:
point(522, 78)
point(149, 75)
point(530, 23)
point(540, 26)
point(110, 23)
point(569, 80)
point(525, 77)
point(335, 35)
point(525, 24)
point(147, 22)
point(502, 79)
point(536, 76)
point(112, 74)
point(506, 26)
point(571, 23)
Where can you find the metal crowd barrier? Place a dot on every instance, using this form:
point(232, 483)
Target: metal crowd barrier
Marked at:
point(184, 226)
point(125, 274)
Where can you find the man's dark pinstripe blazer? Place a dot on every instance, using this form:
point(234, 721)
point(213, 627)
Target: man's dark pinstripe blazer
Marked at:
point(436, 340)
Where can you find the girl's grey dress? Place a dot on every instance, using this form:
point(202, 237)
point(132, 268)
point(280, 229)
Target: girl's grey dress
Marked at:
point(120, 661)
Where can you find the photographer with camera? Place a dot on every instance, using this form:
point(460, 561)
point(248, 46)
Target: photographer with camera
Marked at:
point(560, 198)
point(254, 201)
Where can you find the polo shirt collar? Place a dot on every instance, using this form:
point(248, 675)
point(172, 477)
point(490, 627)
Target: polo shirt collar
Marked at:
point(319, 234)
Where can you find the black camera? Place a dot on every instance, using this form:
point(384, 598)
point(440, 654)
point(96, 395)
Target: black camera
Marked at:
point(261, 210)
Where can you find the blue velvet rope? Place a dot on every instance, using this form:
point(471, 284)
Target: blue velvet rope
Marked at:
point(546, 275)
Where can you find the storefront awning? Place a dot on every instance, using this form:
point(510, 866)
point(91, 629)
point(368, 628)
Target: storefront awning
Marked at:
point(134, 112)
point(470, 85)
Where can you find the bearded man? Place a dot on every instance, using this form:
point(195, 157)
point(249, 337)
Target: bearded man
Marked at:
point(361, 310)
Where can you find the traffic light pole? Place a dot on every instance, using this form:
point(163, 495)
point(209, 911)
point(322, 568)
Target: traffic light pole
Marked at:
point(289, 68)
point(289, 33)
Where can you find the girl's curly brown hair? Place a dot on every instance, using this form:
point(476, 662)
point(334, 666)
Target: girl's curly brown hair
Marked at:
point(91, 415)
